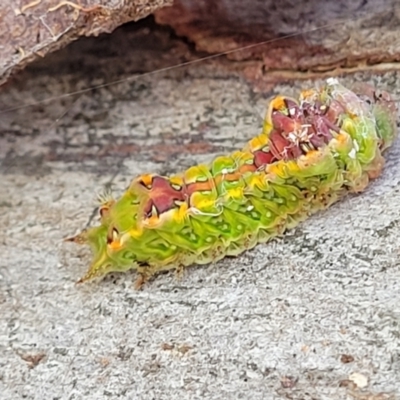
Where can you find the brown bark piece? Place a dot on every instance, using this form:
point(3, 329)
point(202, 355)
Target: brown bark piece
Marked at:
point(353, 36)
point(32, 28)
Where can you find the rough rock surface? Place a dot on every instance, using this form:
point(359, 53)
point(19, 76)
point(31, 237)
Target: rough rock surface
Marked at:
point(313, 315)
point(338, 35)
point(30, 29)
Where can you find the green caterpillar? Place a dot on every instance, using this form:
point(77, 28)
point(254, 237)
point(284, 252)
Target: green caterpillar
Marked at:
point(310, 153)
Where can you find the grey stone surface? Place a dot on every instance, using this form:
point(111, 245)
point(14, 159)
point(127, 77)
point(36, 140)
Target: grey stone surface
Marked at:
point(278, 322)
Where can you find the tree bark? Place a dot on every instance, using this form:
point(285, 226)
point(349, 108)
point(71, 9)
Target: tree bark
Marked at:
point(336, 35)
point(30, 29)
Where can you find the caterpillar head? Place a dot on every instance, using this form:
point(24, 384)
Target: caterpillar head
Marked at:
point(384, 109)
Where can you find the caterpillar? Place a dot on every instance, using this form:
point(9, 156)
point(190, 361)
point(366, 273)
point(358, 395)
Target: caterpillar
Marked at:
point(310, 153)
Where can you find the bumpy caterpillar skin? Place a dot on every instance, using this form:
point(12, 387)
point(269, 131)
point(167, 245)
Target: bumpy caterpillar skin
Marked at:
point(309, 154)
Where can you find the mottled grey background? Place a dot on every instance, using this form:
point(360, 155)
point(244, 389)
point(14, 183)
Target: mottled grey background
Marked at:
point(293, 319)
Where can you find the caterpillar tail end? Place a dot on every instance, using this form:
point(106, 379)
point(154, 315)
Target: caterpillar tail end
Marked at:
point(97, 269)
point(104, 265)
point(80, 238)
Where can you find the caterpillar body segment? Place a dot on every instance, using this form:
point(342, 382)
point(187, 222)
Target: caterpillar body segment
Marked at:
point(309, 154)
